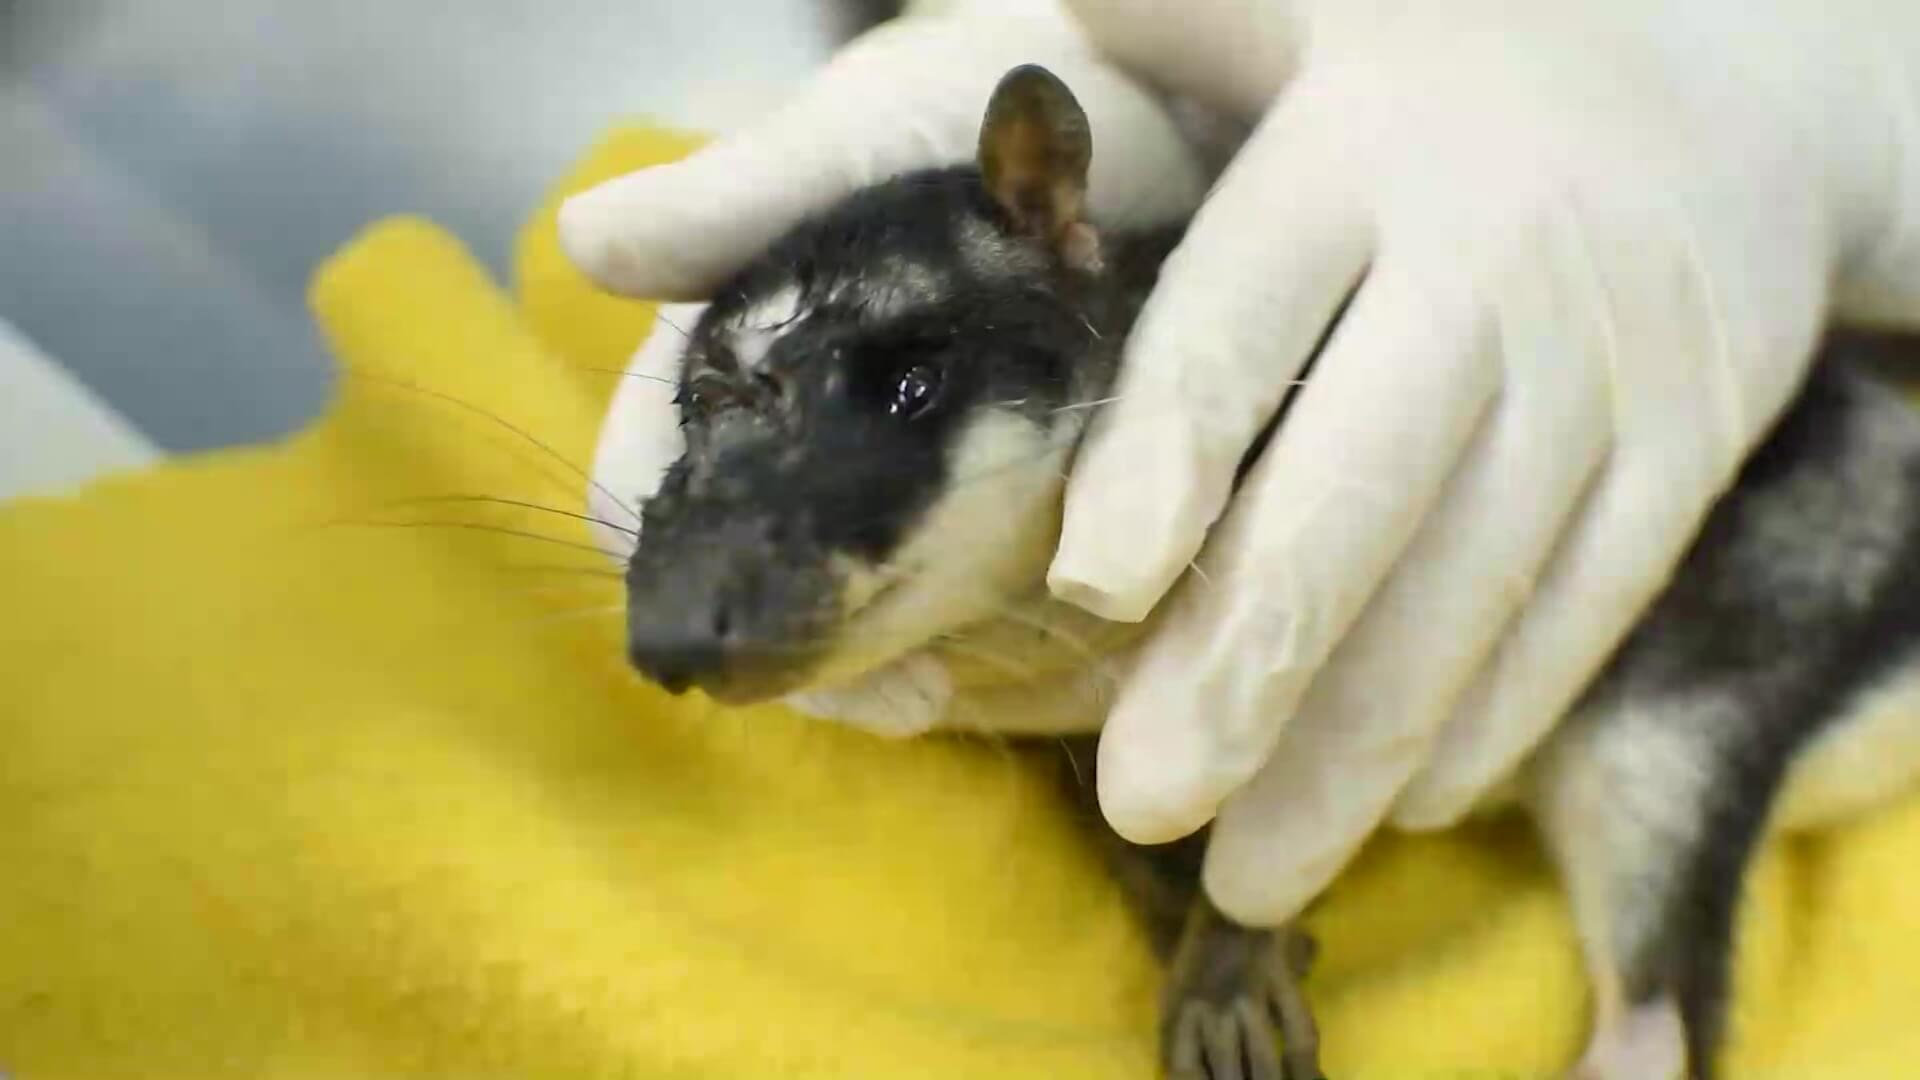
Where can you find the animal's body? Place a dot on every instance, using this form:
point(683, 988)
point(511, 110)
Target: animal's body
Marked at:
point(879, 412)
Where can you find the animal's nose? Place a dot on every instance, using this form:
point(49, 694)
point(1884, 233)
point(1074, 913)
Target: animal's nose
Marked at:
point(680, 654)
point(674, 663)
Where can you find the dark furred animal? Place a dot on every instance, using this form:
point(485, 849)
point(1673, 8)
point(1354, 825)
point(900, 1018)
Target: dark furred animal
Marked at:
point(878, 416)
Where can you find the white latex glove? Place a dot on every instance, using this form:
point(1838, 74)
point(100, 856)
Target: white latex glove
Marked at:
point(1599, 237)
point(906, 95)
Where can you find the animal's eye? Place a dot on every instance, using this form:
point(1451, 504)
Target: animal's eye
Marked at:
point(915, 390)
point(703, 396)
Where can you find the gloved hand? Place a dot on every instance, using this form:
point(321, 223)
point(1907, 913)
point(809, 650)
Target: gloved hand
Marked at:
point(906, 95)
point(1597, 241)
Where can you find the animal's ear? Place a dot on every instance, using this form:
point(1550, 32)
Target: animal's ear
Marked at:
point(1035, 148)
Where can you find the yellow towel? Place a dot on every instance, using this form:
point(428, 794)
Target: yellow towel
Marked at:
point(291, 787)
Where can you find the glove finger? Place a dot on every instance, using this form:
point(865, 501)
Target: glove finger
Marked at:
point(908, 95)
point(640, 436)
point(1370, 715)
point(1333, 501)
point(1232, 321)
point(1683, 421)
point(1615, 560)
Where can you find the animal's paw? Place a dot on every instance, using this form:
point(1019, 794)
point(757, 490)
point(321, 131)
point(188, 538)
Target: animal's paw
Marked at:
point(1232, 998)
point(1234, 1039)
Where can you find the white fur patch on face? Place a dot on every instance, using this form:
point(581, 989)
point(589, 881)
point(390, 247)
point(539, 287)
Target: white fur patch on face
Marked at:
point(1000, 509)
point(900, 700)
point(761, 324)
point(986, 538)
point(1069, 701)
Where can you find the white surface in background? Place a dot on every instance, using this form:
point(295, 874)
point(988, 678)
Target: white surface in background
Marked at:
point(54, 433)
point(170, 172)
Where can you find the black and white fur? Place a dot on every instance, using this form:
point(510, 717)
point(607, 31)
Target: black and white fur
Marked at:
point(879, 413)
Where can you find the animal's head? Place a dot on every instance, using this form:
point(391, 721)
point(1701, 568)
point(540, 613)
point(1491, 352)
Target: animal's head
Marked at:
point(878, 415)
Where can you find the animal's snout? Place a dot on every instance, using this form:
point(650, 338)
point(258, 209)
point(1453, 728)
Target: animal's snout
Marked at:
point(723, 609)
point(686, 650)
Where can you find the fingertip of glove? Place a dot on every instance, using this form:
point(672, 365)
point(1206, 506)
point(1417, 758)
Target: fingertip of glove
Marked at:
point(1148, 825)
point(587, 234)
point(1139, 502)
point(630, 236)
point(1116, 581)
point(1254, 891)
point(1096, 597)
point(1420, 810)
point(1141, 792)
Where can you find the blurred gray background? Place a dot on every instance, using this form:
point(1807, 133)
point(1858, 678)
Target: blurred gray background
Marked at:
point(171, 170)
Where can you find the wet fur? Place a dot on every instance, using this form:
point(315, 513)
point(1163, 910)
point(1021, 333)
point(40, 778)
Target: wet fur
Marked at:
point(1773, 684)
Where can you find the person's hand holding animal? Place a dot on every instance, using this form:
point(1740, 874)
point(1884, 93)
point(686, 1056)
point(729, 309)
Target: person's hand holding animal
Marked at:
point(1588, 247)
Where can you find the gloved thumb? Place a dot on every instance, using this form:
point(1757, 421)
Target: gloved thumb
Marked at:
point(907, 95)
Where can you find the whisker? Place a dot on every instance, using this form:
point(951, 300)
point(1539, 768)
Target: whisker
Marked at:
point(626, 374)
point(477, 527)
point(573, 589)
point(586, 571)
point(990, 657)
point(1047, 630)
point(1194, 565)
point(520, 503)
point(958, 721)
point(996, 739)
point(1073, 762)
point(1097, 402)
point(502, 422)
point(577, 614)
point(1094, 404)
